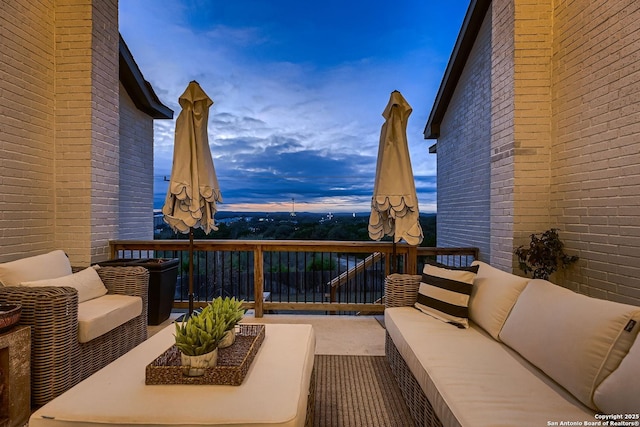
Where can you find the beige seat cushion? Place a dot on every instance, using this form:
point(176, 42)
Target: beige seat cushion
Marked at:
point(473, 380)
point(100, 315)
point(46, 266)
point(576, 340)
point(493, 295)
point(86, 282)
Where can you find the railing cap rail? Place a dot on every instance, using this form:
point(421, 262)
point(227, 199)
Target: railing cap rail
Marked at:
point(289, 246)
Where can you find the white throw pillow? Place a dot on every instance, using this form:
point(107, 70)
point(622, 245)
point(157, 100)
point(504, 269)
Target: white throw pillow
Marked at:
point(493, 295)
point(46, 266)
point(86, 282)
point(444, 293)
point(619, 393)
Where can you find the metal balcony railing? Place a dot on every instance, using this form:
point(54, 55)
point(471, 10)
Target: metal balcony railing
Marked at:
point(291, 275)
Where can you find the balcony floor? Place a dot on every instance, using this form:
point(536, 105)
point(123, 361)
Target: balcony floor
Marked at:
point(335, 334)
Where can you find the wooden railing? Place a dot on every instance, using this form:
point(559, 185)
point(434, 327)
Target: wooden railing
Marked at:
point(291, 275)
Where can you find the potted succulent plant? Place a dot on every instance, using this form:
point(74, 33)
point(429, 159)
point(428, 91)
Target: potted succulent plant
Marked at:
point(198, 339)
point(544, 255)
point(229, 309)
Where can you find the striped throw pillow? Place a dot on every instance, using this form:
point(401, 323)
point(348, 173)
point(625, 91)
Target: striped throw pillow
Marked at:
point(444, 293)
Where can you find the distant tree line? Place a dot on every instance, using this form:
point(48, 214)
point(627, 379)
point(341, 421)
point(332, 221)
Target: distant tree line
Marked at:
point(302, 226)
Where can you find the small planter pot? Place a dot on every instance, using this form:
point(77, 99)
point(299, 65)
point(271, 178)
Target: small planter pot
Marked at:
point(194, 366)
point(228, 339)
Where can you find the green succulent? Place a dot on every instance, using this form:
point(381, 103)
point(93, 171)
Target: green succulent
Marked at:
point(201, 332)
point(230, 309)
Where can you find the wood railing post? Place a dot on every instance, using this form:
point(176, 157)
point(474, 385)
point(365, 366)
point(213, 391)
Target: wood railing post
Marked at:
point(412, 261)
point(258, 280)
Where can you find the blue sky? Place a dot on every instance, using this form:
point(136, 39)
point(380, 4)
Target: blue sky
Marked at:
point(298, 89)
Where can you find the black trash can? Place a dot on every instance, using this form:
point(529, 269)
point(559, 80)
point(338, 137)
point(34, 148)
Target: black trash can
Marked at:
point(163, 274)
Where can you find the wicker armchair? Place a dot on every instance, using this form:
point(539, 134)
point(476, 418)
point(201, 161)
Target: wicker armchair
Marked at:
point(58, 360)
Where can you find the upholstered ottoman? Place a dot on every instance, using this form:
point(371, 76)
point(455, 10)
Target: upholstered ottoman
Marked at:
point(275, 391)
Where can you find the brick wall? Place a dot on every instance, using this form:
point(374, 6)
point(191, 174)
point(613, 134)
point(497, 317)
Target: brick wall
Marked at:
point(463, 155)
point(73, 110)
point(521, 125)
point(136, 171)
point(502, 133)
point(87, 126)
point(59, 129)
point(595, 162)
point(565, 126)
point(532, 119)
point(26, 128)
point(105, 127)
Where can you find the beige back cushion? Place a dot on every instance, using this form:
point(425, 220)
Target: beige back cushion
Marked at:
point(493, 296)
point(576, 340)
point(619, 393)
point(47, 266)
point(86, 282)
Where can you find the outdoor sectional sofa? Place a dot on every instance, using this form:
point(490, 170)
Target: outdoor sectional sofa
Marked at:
point(80, 321)
point(535, 354)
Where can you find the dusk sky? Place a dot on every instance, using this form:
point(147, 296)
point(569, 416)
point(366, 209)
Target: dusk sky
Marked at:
point(299, 88)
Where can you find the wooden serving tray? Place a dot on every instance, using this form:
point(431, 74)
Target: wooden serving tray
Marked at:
point(233, 362)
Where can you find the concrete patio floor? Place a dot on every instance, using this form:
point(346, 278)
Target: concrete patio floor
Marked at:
point(335, 334)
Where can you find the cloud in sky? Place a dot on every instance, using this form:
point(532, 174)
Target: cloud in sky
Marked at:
point(298, 90)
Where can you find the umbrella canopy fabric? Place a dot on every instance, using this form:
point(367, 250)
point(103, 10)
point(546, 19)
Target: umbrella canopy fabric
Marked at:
point(394, 204)
point(193, 189)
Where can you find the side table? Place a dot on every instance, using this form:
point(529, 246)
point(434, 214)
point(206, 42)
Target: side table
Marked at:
point(15, 376)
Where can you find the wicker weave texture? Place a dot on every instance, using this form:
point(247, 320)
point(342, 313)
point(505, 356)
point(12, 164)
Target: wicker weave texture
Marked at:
point(401, 290)
point(419, 406)
point(50, 311)
point(231, 368)
point(58, 360)
point(9, 316)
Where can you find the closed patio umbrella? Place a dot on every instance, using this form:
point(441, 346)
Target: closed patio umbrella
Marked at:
point(394, 204)
point(193, 189)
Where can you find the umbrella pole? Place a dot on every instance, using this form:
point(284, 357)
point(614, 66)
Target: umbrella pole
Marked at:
point(190, 271)
point(394, 258)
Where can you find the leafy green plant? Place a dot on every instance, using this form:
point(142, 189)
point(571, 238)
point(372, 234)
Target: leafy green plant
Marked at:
point(280, 268)
point(201, 332)
point(229, 310)
point(544, 255)
point(321, 264)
